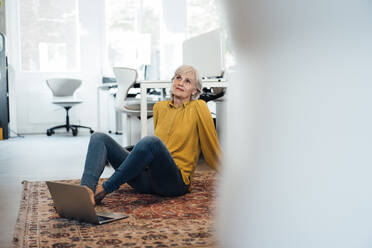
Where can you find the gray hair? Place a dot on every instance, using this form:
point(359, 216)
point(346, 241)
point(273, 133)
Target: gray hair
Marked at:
point(198, 83)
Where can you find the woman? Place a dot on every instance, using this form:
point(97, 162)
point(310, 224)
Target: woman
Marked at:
point(162, 164)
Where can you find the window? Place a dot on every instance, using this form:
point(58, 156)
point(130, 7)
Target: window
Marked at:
point(202, 17)
point(49, 35)
point(132, 33)
point(137, 37)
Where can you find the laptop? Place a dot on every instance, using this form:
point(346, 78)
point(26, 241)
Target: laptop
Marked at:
point(72, 202)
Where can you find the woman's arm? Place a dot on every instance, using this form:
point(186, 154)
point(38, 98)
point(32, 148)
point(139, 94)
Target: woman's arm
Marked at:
point(155, 115)
point(207, 135)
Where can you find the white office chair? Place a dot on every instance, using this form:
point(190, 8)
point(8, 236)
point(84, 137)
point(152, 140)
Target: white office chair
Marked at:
point(63, 95)
point(126, 77)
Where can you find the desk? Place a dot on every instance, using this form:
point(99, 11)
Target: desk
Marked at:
point(165, 84)
point(147, 84)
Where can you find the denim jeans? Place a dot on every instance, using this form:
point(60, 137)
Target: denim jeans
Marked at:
point(149, 168)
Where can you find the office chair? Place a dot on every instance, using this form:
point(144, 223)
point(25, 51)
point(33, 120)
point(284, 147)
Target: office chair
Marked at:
point(126, 78)
point(63, 95)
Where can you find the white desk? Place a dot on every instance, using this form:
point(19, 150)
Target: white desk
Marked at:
point(158, 84)
point(165, 84)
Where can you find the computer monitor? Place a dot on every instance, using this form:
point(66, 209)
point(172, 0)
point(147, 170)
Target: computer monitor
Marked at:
point(205, 53)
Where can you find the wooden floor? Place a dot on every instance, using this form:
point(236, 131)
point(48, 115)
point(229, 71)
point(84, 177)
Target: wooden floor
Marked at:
point(38, 158)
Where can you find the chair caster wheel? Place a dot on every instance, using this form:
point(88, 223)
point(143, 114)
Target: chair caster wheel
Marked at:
point(91, 131)
point(49, 132)
point(74, 131)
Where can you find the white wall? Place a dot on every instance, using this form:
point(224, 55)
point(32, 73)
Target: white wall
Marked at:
point(297, 171)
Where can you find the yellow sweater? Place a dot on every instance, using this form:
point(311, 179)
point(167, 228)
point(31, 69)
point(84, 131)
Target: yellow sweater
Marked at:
point(185, 130)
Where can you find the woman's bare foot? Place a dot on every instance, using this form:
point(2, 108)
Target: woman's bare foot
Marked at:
point(100, 194)
point(91, 194)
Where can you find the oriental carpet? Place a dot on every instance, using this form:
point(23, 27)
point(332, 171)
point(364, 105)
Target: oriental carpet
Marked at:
point(154, 221)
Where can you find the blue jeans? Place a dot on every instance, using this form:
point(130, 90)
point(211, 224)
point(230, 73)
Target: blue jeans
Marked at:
point(149, 168)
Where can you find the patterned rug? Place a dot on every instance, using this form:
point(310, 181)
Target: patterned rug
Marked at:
point(154, 221)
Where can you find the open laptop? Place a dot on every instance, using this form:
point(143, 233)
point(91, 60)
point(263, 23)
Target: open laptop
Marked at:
point(73, 202)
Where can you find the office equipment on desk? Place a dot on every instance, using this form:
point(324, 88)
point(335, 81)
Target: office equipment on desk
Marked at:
point(126, 78)
point(205, 53)
point(63, 95)
point(4, 97)
point(144, 86)
point(162, 84)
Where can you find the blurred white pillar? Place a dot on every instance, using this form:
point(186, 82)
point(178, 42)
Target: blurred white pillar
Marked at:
point(298, 165)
